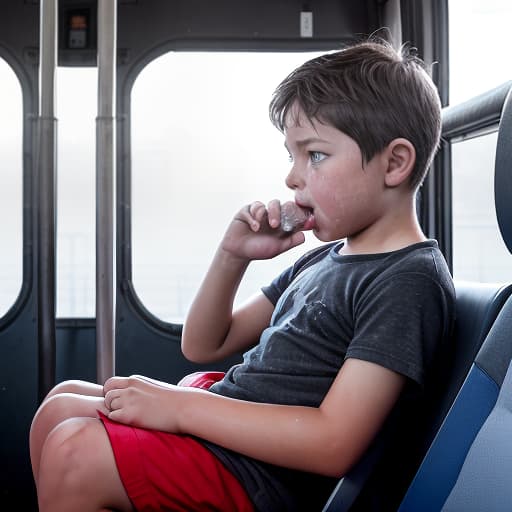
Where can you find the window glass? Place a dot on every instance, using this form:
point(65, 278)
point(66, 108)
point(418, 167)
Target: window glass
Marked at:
point(76, 206)
point(202, 147)
point(479, 253)
point(479, 46)
point(11, 192)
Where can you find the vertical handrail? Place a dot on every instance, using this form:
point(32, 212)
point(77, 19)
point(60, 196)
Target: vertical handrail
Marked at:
point(46, 175)
point(105, 186)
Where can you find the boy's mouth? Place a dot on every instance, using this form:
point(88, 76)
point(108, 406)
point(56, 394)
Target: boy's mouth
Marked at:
point(296, 218)
point(310, 221)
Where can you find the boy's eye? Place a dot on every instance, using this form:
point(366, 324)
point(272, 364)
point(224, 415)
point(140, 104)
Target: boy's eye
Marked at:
point(316, 156)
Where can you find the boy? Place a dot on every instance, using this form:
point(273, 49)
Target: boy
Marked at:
point(336, 343)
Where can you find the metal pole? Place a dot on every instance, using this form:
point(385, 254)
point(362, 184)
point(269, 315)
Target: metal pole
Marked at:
point(105, 187)
point(46, 162)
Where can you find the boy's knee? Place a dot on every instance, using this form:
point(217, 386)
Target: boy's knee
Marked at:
point(68, 386)
point(67, 439)
point(49, 413)
point(68, 451)
point(54, 406)
point(77, 469)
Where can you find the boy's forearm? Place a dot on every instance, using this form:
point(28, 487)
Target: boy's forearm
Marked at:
point(291, 436)
point(253, 234)
point(326, 440)
point(209, 318)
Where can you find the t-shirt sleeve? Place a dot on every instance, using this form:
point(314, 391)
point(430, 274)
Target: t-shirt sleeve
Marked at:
point(399, 324)
point(276, 288)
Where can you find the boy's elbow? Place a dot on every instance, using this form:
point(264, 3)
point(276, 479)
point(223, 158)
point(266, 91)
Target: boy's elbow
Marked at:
point(191, 355)
point(336, 471)
point(195, 356)
point(334, 468)
point(336, 461)
point(188, 349)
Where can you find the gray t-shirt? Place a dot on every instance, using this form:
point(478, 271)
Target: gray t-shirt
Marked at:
point(395, 309)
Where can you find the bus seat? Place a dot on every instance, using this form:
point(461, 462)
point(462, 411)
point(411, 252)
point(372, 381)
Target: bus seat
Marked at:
point(484, 479)
point(478, 305)
point(477, 397)
point(459, 456)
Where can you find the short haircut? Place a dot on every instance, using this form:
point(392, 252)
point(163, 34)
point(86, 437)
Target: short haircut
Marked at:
point(370, 92)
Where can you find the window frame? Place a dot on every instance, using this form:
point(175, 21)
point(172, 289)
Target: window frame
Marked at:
point(473, 118)
point(28, 213)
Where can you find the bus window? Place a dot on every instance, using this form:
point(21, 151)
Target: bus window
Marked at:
point(202, 147)
point(76, 222)
point(11, 191)
point(479, 253)
point(478, 31)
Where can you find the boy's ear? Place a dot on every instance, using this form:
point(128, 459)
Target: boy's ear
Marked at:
point(401, 156)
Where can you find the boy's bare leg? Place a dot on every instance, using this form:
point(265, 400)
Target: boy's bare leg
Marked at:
point(54, 410)
point(78, 470)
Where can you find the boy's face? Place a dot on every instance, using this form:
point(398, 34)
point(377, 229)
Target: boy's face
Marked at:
point(328, 177)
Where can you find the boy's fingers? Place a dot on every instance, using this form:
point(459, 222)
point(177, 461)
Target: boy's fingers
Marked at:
point(296, 239)
point(274, 213)
point(251, 215)
point(110, 396)
point(114, 383)
point(255, 208)
point(258, 212)
point(116, 415)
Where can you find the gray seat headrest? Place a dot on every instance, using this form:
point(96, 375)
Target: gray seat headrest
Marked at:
point(503, 173)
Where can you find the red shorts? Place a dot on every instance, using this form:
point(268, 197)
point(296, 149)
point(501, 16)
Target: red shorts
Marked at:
point(169, 472)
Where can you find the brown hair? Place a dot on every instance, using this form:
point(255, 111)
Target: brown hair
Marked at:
point(373, 94)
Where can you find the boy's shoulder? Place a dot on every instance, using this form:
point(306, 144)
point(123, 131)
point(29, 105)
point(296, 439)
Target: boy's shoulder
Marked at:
point(421, 257)
point(417, 256)
point(421, 262)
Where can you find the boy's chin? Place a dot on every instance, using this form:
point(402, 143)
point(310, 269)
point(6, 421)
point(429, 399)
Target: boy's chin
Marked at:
point(324, 237)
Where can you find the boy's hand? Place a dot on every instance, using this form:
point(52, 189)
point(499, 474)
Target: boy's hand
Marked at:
point(256, 233)
point(143, 403)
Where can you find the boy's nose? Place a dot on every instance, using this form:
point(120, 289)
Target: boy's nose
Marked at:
point(294, 179)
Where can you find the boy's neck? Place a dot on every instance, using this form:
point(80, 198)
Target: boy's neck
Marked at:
point(396, 230)
point(389, 245)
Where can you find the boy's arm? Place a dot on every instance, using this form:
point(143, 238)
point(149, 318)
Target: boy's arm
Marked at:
point(326, 440)
point(212, 330)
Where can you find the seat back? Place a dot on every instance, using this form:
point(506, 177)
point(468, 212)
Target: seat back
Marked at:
point(477, 307)
point(448, 471)
point(476, 399)
point(483, 482)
